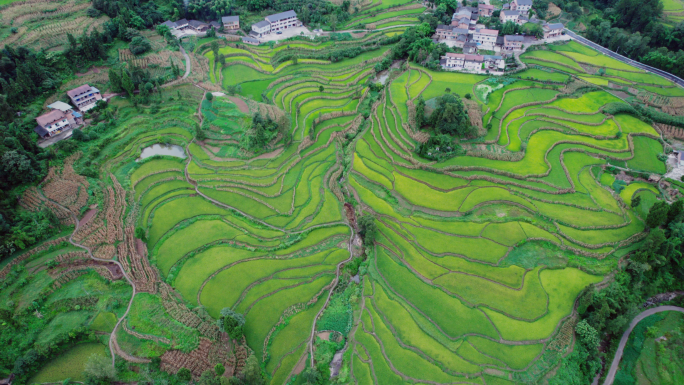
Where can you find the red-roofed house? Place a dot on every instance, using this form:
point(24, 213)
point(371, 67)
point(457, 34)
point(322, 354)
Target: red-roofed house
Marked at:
point(84, 97)
point(485, 10)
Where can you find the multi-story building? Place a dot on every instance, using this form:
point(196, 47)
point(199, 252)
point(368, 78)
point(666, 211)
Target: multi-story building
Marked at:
point(230, 23)
point(552, 30)
point(506, 16)
point(447, 32)
point(84, 97)
point(283, 20)
point(513, 42)
point(485, 10)
point(494, 63)
point(523, 6)
point(61, 118)
point(461, 61)
point(275, 23)
point(485, 36)
point(260, 29)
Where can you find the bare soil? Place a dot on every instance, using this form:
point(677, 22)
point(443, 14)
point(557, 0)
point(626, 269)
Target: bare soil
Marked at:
point(88, 216)
point(240, 104)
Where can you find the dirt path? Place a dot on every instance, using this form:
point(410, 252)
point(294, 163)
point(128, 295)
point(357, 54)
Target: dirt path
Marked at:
point(188, 66)
point(625, 337)
point(113, 345)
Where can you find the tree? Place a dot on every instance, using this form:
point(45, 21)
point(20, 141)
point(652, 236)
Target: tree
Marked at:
point(215, 50)
point(251, 373)
point(139, 45)
point(674, 210)
point(450, 117)
point(140, 234)
point(588, 335)
point(636, 201)
point(332, 21)
point(231, 323)
point(219, 369)
point(321, 88)
point(115, 80)
point(209, 96)
point(420, 112)
point(16, 168)
point(98, 369)
point(657, 215)
point(127, 83)
point(184, 374)
point(208, 378)
point(312, 376)
point(368, 229)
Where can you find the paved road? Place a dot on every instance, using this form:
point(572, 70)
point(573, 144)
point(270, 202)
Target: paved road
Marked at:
point(187, 62)
point(618, 355)
point(623, 59)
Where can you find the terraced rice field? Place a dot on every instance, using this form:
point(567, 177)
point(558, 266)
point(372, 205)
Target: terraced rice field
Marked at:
point(444, 297)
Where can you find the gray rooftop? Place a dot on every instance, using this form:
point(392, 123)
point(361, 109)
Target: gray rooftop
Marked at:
point(249, 40)
point(524, 2)
point(261, 24)
point(170, 24)
point(514, 38)
point(511, 13)
point(228, 19)
point(556, 26)
point(280, 16)
point(493, 57)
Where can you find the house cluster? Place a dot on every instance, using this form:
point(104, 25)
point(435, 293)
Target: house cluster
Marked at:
point(63, 116)
point(473, 63)
point(517, 12)
point(467, 33)
point(275, 23)
point(193, 25)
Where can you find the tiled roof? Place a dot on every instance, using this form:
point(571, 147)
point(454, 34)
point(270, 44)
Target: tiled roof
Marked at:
point(281, 16)
point(556, 26)
point(524, 2)
point(170, 24)
point(228, 19)
point(511, 13)
point(514, 38)
point(261, 24)
point(78, 90)
point(477, 58)
point(47, 119)
point(250, 40)
point(490, 32)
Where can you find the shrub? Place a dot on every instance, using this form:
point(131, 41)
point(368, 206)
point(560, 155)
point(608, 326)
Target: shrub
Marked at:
point(139, 45)
point(231, 323)
point(184, 374)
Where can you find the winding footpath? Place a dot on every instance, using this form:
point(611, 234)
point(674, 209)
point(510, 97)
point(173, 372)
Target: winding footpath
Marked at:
point(675, 79)
point(188, 66)
point(625, 337)
point(113, 344)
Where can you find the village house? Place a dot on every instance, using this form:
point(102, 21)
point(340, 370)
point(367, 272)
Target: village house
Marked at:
point(513, 42)
point(230, 23)
point(485, 36)
point(191, 25)
point(514, 16)
point(61, 118)
point(494, 63)
point(465, 17)
point(250, 40)
point(485, 10)
point(447, 32)
point(552, 30)
point(84, 97)
point(523, 6)
point(461, 61)
point(276, 22)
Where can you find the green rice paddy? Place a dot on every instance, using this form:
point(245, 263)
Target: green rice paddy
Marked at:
point(443, 299)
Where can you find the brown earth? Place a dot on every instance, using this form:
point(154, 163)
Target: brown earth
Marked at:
point(240, 104)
